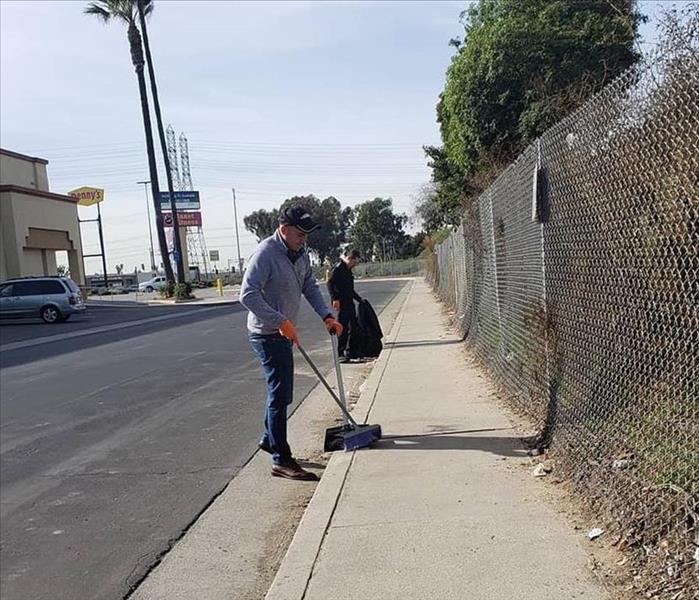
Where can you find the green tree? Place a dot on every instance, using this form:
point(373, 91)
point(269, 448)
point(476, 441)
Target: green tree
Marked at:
point(522, 66)
point(525, 64)
point(335, 223)
point(325, 243)
point(442, 203)
point(412, 246)
point(126, 12)
point(376, 230)
point(262, 223)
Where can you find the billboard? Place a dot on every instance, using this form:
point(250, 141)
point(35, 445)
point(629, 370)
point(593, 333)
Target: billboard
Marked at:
point(184, 200)
point(87, 196)
point(184, 219)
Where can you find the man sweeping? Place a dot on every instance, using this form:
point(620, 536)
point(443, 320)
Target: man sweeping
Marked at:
point(278, 274)
point(342, 295)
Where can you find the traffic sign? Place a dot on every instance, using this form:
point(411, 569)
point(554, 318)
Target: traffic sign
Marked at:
point(184, 200)
point(184, 219)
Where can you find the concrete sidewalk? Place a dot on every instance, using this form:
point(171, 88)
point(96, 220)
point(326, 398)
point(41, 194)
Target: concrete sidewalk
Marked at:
point(441, 508)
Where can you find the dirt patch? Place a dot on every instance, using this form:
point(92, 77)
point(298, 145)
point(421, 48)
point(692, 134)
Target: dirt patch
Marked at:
point(277, 544)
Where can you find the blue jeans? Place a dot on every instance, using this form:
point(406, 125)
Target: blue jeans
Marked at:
point(277, 357)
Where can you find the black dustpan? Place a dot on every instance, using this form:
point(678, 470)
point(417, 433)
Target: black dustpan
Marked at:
point(351, 435)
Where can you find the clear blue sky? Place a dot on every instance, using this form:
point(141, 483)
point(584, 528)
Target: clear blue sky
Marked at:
point(277, 99)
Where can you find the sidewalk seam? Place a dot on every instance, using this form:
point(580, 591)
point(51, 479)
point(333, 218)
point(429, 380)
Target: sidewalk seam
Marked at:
point(393, 334)
point(327, 526)
point(373, 382)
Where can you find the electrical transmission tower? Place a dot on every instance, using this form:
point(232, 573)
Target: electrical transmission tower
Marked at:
point(181, 174)
point(172, 156)
point(184, 158)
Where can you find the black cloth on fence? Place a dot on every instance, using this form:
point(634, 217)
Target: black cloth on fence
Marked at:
point(365, 340)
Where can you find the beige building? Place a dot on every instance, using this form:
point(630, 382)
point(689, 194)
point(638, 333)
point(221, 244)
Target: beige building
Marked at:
point(34, 222)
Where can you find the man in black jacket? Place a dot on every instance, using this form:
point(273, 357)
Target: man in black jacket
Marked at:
point(342, 295)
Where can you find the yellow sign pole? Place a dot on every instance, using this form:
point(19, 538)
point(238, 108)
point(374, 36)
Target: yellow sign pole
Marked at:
point(87, 196)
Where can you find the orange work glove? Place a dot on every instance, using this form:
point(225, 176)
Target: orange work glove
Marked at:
point(288, 330)
point(333, 326)
point(336, 305)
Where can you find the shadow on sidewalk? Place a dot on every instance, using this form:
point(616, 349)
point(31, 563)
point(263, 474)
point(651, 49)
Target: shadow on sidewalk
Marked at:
point(416, 343)
point(452, 440)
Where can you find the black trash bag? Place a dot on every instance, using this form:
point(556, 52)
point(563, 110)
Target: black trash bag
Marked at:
point(365, 337)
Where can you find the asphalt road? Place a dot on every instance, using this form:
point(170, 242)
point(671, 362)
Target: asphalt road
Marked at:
point(113, 442)
point(97, 315)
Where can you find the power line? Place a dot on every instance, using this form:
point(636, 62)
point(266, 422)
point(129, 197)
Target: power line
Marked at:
point(137, 145)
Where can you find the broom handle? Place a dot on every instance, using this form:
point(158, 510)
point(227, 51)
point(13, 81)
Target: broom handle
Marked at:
point(347, 416)
point(338, 372)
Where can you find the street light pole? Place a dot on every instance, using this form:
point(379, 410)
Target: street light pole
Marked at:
point(153, 268)
point(237, 236)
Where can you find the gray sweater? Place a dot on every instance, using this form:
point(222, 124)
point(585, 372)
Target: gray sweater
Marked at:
point(273, 284)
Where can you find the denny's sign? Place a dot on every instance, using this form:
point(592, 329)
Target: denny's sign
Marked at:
point(87, 196)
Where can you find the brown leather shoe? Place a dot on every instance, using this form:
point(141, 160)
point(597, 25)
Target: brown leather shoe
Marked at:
point(292, 470)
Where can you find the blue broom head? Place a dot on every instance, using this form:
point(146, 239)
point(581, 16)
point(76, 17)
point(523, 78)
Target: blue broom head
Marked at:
point(361, 436)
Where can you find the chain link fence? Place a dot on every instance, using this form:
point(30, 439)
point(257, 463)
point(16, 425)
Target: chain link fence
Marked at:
point(575, 278)
point(390, 268)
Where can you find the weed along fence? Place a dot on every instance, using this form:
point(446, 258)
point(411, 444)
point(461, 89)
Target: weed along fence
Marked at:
point(575, 278)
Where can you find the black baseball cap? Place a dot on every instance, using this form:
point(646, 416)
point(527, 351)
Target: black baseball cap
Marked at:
point(299, 217)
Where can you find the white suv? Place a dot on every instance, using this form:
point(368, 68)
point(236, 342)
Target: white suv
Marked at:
point(152, 285)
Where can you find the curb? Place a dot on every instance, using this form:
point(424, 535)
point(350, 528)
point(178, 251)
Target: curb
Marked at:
point(125, 304)
point(296, 570)
point(190, 303)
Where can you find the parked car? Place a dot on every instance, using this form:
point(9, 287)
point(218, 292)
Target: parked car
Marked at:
point(53, 299)
point(152, 284)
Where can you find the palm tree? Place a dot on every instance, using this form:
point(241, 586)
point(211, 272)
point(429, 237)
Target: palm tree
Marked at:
point(126, 11)
point(161, 134)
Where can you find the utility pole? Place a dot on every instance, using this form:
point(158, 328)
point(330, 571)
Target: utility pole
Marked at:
point(237, 236)
point(153, 268)
point(179, 260)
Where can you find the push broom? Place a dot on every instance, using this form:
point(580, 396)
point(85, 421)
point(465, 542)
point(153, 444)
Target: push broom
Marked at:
point(350, 435)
